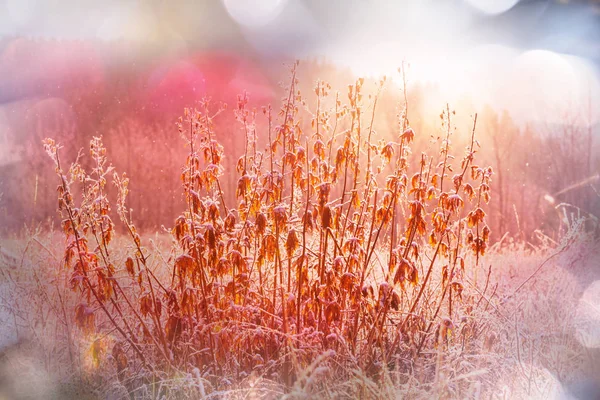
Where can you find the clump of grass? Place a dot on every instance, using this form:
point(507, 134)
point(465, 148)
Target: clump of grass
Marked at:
point(344, 254)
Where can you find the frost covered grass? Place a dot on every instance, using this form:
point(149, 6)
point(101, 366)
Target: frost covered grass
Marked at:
point(347, 268)
point(537, 342)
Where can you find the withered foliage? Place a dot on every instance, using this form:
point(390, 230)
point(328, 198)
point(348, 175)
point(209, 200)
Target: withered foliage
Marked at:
point(333, 243)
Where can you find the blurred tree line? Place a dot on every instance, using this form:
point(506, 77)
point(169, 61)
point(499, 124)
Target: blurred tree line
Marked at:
point(133, 100)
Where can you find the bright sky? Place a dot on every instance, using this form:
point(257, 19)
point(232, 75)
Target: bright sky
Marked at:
point(466, 48)
point(536, 58)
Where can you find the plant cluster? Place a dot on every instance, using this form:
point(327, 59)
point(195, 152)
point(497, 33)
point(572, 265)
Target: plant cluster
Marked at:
point(338, 242)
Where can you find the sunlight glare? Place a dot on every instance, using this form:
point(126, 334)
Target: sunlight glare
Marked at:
point(253, 13)
point(488, 72)
point(548, 86)
point(447, 71)
point(493, 6)
point(535, 86)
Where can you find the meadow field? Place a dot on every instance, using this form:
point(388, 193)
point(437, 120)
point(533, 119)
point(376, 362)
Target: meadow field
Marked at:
point(340, 264)
point(300, 199)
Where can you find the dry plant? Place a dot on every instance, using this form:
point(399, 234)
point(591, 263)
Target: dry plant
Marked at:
point(345, 256)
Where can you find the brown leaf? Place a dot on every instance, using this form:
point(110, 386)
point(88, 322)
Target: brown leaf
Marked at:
point(130, 266)
point(332, 312)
